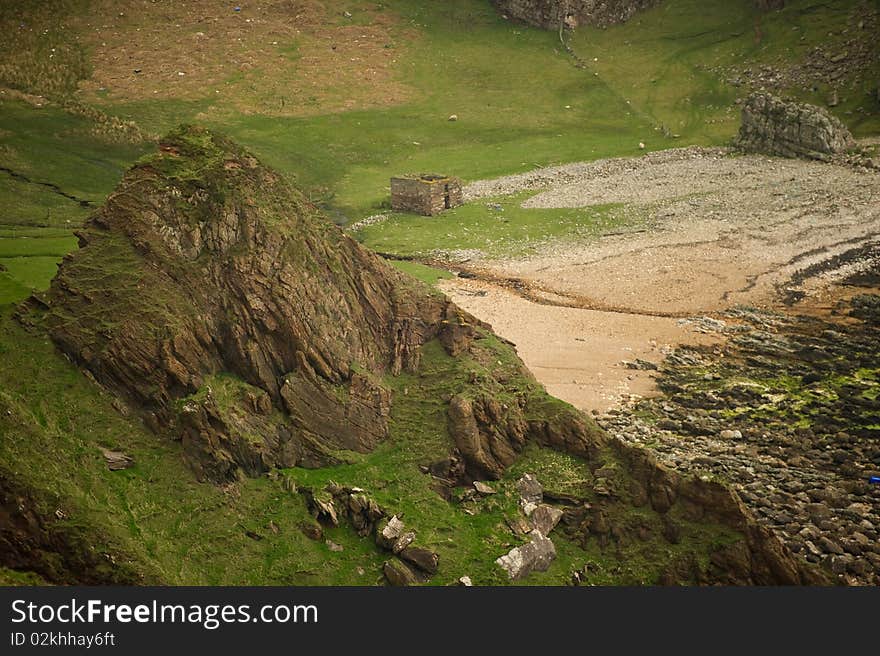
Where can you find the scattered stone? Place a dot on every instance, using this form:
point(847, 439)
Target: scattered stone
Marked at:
point(465, 581)
point(531, 493)
point(553, 15)
point(545, 518)
point(403, 542)
point(805, 483)
point(483, 488)
point(830, 546)
point(388, 534)
point(333, 546)
point(399, 574)
point(639, 364)
point(312, 530)
point(452, 118)
point(534, 556)
point(116, 460)
point(425, 559)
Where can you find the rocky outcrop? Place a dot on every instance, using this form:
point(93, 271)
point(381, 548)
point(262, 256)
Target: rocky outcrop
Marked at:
point(536, 555)
point(214, 297)
point(551, 14)
point(774, 126)
point(490, 434)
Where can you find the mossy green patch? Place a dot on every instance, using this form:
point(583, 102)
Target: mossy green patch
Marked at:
point(427, 274)
point(496, 227)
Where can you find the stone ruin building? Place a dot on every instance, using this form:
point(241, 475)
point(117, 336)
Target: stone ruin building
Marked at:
point(425, 193)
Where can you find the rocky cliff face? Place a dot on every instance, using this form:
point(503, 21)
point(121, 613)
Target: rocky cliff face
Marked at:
point(551, 14)
point(215, 299)
point(204, 264)
point(778, 127)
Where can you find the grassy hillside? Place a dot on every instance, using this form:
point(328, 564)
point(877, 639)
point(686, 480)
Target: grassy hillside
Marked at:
point(339, 102)
point(155, 520)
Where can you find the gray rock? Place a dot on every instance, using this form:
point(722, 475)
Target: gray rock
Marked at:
point(531, 493)
point(117, 460)
point(778, 127)
point(403, 542)
point(483, 488)
point(534, 556)
point(545, 518)
point(325, 508)
point(388, 535)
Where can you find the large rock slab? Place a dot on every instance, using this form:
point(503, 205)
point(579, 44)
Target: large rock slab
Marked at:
point(534, 556)
point(775, 126)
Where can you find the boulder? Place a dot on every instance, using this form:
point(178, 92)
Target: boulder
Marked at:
point(425, 559)
point(534, 556)
point(530, 489)
point(389, 533)
point(227, 269)
point(312, 530)
point(363, 512)
point(399, 574)
point(322, 506)
point(774, 126)
point(117, 460)
point(483, 488)
point(545, 518)
point(403, 542)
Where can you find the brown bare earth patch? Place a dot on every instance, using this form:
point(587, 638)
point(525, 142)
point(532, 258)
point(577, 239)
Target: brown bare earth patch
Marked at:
point(281, 58)
point(583, 356)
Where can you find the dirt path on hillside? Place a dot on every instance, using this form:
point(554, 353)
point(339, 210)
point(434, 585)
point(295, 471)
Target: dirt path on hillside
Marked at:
point(717, 231)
